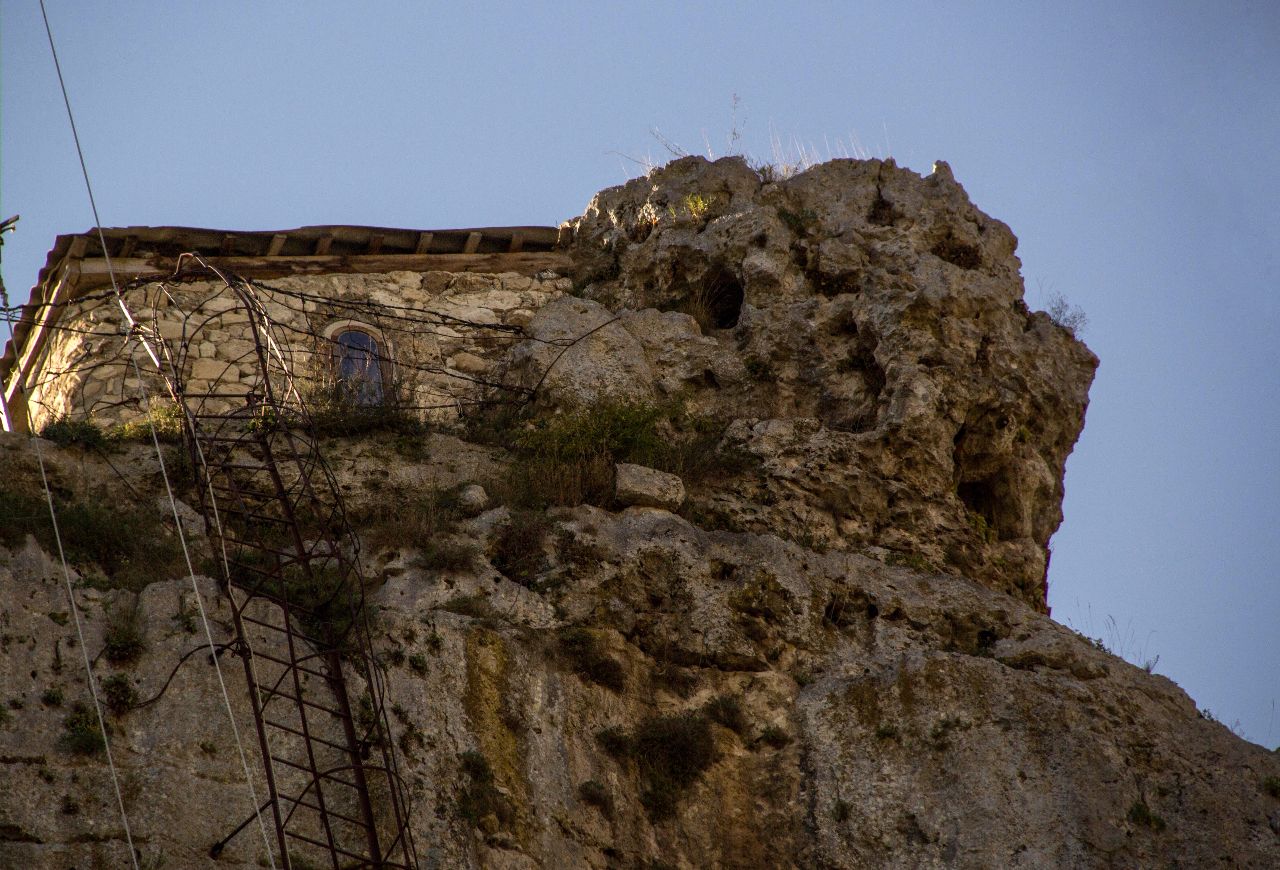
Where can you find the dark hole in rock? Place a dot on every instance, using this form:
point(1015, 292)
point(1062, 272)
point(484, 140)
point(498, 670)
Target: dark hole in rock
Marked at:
point(979, 496)
point(958, 253)
point(723, 297)
point(709, 378)
point(882, 212)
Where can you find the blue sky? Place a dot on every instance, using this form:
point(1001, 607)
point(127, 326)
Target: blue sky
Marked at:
point(1128, 145)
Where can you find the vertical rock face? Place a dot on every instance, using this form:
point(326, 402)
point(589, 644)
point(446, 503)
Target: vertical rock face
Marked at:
point(754, 580)
point(865, 327)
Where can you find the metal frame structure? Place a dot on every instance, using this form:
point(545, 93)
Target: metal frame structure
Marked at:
point(290, 567)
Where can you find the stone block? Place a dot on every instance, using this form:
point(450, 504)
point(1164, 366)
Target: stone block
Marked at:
point(636, 485)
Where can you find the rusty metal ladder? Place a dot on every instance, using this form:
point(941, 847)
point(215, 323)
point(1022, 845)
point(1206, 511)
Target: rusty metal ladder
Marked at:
point(289, 564)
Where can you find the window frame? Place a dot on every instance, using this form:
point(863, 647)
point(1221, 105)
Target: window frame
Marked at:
point(385, 354)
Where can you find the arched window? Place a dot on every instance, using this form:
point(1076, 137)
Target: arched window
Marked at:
point(359, 363)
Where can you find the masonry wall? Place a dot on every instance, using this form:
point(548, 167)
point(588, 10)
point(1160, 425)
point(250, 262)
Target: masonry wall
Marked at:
point(442, 332)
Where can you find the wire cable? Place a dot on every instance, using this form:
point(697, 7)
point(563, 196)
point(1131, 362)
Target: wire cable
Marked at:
point(84, 652)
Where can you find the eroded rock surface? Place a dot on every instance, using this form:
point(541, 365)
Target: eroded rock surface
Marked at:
point(835, 654)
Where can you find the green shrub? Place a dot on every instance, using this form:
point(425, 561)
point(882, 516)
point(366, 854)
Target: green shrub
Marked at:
point(775, 737)
point(167, 419)
point(590, 661)
point(124, 640)
point(615, 741)
point(1141, 814)
point(475, 606)
point(129, 544)
point(568, 458)
point(80, 732)
point(727, 711)
point(446, 555)
point(52, 697)
point(593, 793)
point(336, 412)
point(66, 432)
point(119, 694)
point(518, 548)
point(480, 798)
point(671, 752)
point(1271, 785)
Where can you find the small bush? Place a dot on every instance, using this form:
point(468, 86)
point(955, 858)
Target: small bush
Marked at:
point(590, 661)
point(615, 741)
point(129, 544)
point(593, 793)
point(418, 664)
point(841, 811)
point(446, 555)
point(336, 412)
point(52, 697)
point(66, 432)
point(1271, 785)
point(119, 694)
point(80, 732)
point(167, 419)
point(1141, 814)
point(124, 640)
point(1070, 317)
point(518, 549)
point(480, 798)
point(671, 752)
point(568, 458)
point(775, 737)
point(727, 711)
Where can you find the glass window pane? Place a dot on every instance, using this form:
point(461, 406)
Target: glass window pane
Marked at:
point(359, 368)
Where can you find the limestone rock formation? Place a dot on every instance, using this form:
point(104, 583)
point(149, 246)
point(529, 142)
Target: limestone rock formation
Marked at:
point(833, 654)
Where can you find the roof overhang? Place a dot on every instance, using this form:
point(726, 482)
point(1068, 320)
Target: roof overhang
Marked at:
point(78, 264)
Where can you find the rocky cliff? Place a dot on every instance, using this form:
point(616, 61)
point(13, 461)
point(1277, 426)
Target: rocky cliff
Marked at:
point(756, 579)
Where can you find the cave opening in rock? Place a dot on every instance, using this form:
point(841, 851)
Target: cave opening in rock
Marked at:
point(722, 296)
point(979, 496)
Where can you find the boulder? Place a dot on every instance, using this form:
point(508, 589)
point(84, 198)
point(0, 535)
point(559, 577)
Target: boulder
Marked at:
point(638, 486)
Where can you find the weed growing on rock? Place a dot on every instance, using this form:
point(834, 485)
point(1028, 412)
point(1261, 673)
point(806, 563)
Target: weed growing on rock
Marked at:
point(615, 741)
point(727, 710)
point(568, 458)
point(517, 551)
point(775, 737)
point(119, 694)
point(593, 793)
point(1141, 814)
point(124, 640)
point(590, 661)
point(66, 432)
point(671, 752)
point(446, 555)
point(475, 606)
point(480, 798)
point(1070, 317)
point(167, 419)
point(80, 732)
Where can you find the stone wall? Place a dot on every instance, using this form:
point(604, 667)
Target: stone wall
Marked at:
point(443, 332)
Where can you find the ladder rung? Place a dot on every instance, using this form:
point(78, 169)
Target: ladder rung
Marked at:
point(364, 859)
point(298, 733)
point(315, 775)
point(328, 812)
point(286, 696)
